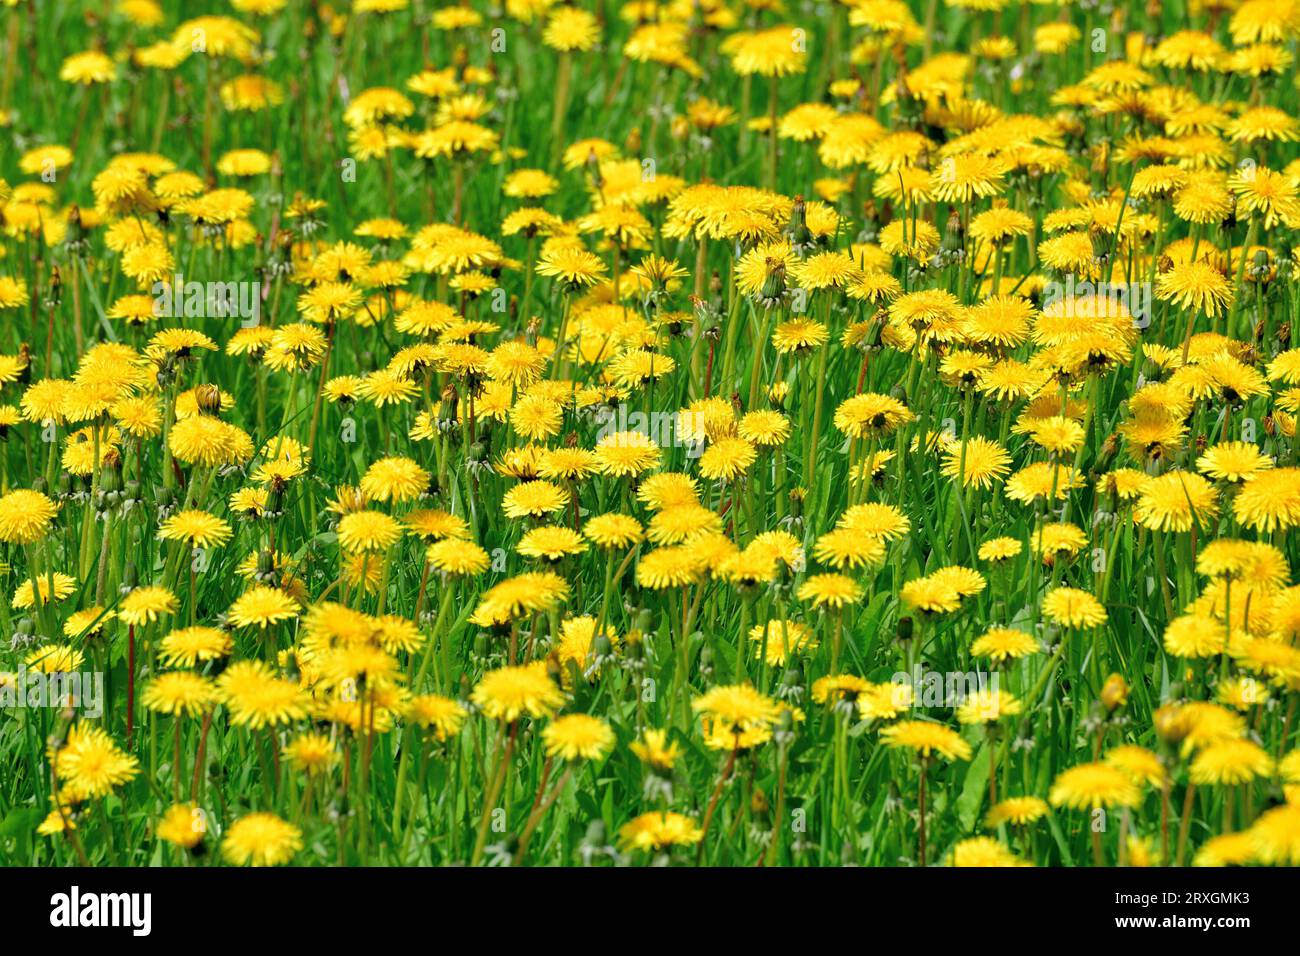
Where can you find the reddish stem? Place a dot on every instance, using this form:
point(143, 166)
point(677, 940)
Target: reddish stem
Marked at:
point(198, 759)
point(862, 375)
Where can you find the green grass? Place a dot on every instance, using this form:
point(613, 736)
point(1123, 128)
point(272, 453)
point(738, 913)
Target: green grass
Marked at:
point(822, 787)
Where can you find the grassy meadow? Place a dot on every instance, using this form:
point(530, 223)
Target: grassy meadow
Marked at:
point(720, 433)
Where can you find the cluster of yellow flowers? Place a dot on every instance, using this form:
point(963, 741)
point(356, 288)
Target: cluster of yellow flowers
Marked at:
point(523, 389)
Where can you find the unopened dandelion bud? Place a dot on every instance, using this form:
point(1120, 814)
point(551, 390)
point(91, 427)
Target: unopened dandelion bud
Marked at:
point(1259, 267)
point(1170, 723)
point(905, 628)
point(797, 230)
point(1114, 693)
point(54, 291)
point(110, 472)
point(873, 340)
point(954, 235)
point(1106, 454)
point(1102, 244)
point(797, 496)
point(76, 238)
point(447, 408)
point(208, 399)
